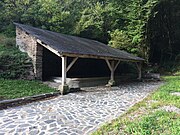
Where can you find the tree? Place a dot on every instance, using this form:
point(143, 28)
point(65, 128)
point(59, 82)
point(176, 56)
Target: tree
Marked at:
point(136, 16)
point(141, 27)
point(97, 20)
point(12, 11)
point(164, 32)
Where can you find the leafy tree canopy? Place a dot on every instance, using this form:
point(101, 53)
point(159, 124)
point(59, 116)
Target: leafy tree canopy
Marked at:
point(136, 26)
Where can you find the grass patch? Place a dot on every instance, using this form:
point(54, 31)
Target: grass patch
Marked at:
point(11, 89)
point(164, 93)
point(145, 118)
point(159, 122)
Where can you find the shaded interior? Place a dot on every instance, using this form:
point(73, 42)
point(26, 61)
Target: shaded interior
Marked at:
point(82, 68)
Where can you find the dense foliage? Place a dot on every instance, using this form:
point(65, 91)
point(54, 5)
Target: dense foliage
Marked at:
point(147, 28)
point(164, 32)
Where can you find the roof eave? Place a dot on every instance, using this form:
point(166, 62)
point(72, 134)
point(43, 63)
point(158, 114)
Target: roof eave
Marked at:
point(97, 57)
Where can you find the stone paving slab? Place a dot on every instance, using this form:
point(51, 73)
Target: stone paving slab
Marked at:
point(73, 114)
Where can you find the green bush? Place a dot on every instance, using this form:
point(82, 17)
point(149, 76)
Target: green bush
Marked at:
point(9, 42)
point(13, 63)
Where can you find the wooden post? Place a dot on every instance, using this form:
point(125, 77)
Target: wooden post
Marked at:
point(139, 66)
point(112, 68)
point(64, 87)
point(65, 68)
point(112, 71)
point(64, 63)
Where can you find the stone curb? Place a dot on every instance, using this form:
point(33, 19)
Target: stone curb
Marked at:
point(20, 101)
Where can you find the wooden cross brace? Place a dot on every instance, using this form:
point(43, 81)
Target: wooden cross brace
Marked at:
point(112, 66)
point(66, 68)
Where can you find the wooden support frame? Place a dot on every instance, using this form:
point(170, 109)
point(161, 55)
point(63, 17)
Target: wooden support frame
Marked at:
point(112, 66)
point(71, 64)
point(112, 71)
point(99, 57)
point(117, 65)
point(64, 69)
point(109, 65)
point(64, 87)
point(112, 62)
point(139, 67)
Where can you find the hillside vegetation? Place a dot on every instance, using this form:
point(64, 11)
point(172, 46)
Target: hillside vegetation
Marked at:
point(15, 66)
point(147, 28)
point(13, 63)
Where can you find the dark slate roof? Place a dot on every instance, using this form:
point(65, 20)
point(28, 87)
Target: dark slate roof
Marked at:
point(66, 44)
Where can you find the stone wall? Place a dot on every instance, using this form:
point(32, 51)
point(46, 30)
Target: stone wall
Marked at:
point(38, 61)
point(28, 44)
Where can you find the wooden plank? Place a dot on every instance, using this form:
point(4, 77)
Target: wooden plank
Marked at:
point(71, 64)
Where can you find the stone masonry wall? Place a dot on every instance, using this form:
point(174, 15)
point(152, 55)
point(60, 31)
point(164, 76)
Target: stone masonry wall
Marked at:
point(38, 61)
point(28, 44)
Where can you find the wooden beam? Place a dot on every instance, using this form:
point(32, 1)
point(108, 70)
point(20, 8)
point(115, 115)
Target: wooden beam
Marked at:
point(97, 57)
point(64, 63)
point(139, 66)
point(112, 71)
point(116, 65)
point(109, 65)
point(64, 88)
point(71, 64)
point(112, 66)
point(49, 48)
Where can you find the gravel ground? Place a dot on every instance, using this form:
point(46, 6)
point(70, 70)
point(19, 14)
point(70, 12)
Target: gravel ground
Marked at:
point(76, 113)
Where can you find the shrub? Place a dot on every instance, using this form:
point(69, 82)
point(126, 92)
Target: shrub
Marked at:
point(9, 42)
point(13, 63)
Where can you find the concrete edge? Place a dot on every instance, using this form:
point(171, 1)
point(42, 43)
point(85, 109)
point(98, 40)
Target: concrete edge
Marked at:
point(4, 104)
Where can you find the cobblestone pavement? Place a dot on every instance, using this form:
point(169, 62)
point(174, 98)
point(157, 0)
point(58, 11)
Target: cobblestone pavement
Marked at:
point(73, 114)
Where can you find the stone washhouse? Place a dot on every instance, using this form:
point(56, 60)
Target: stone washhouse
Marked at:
point(59, 55)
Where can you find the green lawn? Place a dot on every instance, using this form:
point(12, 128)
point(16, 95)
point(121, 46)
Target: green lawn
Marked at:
point(10, 89)
point(146, 117)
